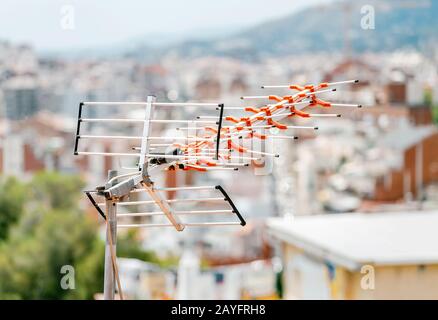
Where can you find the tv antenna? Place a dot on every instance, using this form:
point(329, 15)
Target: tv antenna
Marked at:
point(208, 143)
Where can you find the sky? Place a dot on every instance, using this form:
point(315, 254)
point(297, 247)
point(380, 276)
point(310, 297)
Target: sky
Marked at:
point(79, 24)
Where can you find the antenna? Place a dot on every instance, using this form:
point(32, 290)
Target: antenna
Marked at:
point(119, 187)
point(206, 143)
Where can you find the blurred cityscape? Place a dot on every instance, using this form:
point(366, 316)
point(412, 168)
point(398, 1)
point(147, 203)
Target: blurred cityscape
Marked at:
point(360, 191)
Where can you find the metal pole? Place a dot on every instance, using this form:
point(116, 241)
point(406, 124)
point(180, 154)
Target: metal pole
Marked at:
point(146, 134)
point(111, 216)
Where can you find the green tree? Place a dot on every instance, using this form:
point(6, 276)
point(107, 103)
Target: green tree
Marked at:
point(12, 200)
point(49, 232)
point(52, 232)
point(56, 190)
point(428, 100)
point(31, 261)
point(89, 274)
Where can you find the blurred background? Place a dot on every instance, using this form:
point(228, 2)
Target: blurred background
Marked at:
point(349, 212)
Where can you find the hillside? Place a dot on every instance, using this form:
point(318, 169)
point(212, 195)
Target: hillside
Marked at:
point(321, 28)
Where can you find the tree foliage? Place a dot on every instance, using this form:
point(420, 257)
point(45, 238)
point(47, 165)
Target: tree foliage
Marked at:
point(56, 190)
point(12, 198)
point(43, 229)
point(36, 251)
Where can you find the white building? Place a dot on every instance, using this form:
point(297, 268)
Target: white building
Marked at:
point(359, 256)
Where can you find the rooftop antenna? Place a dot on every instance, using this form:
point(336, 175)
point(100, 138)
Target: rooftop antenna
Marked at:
point(119, 187)
point(208, 144)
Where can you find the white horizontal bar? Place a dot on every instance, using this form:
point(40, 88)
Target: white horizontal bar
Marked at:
point(184, 104)
point(148, 138)
point(171, 156)
point(283, 137)
point(127, 103)
point(170, 104)
point(202, 128)
point(109, 154)
point(345, 105)
point(276, 86)
point(196, 200)
point(234, 108)
point(201, 224)
point(171, 144)
point(177, 188)
point(197, 156)
point(132, 203)
point(186, 188)
point(297, 103)
point(210, 150)
point(312, 115)
point(202, 152)
point(243, 158)
point(289, 104)
point(220, 211)
point(322, 115)
point(306, 93)
point(181, 138)
point(254, 97)
point(84, 136)
point(207, 168)
point(252, 127)
point(209, 156)
point(302, 127)
point(207, 117)
point(183, 121)
point(329, 84)
point(343, 82)
point(145, 225)
point(141, 214)
point(160, 213)
point(212, 224)
point(142, 120)
point(110, 120)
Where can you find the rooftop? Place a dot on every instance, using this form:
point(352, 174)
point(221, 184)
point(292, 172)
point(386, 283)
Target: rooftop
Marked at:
point(355, 239)
point(405, 137)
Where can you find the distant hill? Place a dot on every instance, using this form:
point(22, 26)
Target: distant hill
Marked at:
point(321, 28)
